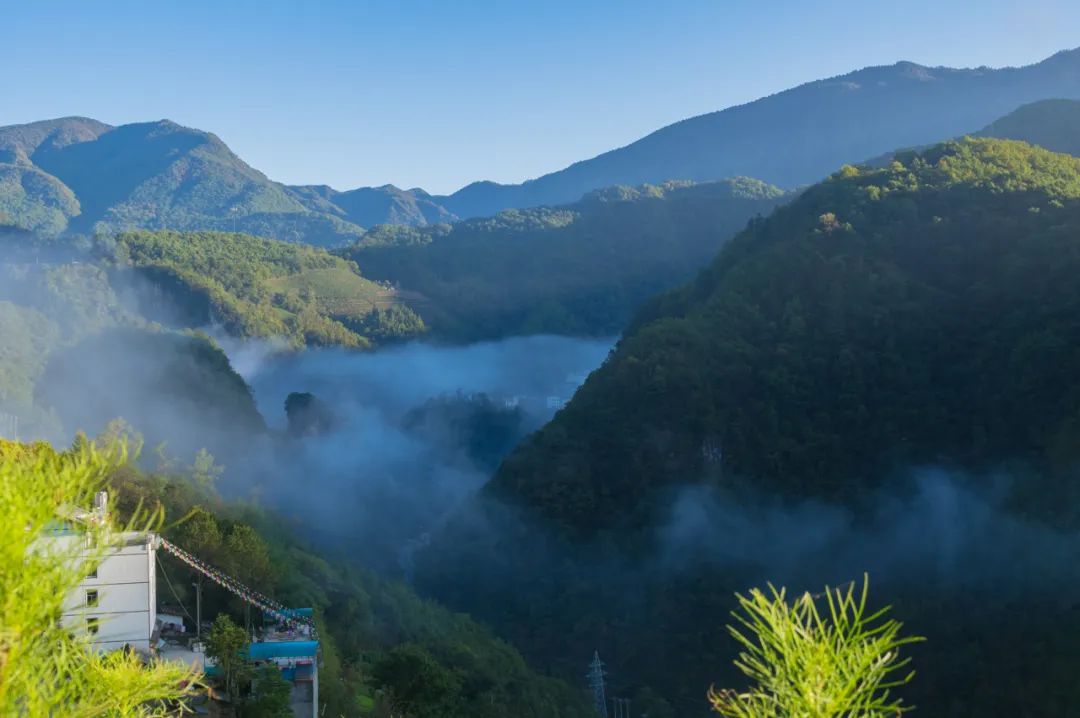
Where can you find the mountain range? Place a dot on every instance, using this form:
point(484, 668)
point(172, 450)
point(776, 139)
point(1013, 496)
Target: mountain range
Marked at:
point(800, 135)
point(80, 175)
point(581, 268)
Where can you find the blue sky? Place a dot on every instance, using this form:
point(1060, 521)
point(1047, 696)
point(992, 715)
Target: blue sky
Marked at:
point(437, 94)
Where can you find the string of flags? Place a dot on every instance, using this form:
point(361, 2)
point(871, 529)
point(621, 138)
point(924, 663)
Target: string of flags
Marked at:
point(267, 604)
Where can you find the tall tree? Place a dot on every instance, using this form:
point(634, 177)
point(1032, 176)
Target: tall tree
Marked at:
point(226, 644)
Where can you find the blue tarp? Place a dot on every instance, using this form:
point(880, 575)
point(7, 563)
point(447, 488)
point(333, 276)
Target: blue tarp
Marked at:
point(282, 649)
point(299, 612)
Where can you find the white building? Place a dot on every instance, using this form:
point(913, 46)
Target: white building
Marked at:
point(116, 603)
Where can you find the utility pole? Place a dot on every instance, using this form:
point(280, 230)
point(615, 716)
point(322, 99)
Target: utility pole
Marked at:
point(198, 608)
point(596, 683)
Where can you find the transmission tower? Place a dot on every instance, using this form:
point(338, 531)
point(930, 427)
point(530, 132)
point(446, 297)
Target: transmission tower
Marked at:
point(596, 683)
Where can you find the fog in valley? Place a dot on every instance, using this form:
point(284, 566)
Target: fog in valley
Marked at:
point(413, 431)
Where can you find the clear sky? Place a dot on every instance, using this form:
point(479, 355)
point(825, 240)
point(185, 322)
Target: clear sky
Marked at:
point(437, 94)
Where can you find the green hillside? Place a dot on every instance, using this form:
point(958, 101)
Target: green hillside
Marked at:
point(43, 308)
point(176, 388)
point(578, 269)
point(917, 313)
point(259, 287)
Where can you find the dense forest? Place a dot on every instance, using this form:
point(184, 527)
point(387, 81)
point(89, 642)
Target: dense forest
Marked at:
point(876, 377)
point(577, 269)
point(256, 287)
point(886, 318)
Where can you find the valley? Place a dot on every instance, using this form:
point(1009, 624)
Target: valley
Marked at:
point(493, 435)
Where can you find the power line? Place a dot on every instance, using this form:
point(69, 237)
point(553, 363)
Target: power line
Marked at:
point(170, 584)
point(248, 595)
point(621, 706)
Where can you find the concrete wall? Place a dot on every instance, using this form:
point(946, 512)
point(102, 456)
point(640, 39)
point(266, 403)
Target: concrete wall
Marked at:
point(126, 597)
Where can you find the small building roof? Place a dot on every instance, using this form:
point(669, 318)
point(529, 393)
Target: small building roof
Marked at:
point(283, 649)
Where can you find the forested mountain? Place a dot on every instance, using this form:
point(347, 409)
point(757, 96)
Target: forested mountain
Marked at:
point(255, 287)
point(179, 389)
point(369, 206)
point(917, 313)
point(82, 176)
point(800, 135)
point(63, 305)
point(878, 377)
point(580, 269)
point(1053, 124)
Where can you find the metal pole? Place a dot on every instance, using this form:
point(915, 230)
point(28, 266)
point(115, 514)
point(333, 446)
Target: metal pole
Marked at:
point(198, 609)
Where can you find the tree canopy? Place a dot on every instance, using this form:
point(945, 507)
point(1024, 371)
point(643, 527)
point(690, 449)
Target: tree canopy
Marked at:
point(583, 268)
point(888, 317)
point(257, 287)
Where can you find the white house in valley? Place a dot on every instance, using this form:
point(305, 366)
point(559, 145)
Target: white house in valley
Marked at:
point(115, 604)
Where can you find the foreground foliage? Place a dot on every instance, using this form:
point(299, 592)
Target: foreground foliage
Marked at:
point(45, 667)
point(803, 662)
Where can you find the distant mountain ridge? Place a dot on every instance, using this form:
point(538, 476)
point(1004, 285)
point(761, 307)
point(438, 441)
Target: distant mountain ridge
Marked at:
point(81, 175)
point(581, 268)
point(1051, 124)
point(799, 136)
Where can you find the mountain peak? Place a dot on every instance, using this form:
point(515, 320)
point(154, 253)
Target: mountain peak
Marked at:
point(800, 135)
point(18, 143)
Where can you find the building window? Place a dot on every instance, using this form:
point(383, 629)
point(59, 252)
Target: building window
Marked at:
point(93, 573)
point(91, 598)
point(92, 626)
